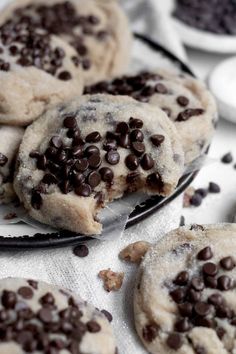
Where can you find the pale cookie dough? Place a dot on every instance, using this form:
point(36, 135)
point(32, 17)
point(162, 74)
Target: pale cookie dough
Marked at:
point(185, 294)
point(39, 318)
point(81, 155)
point(36, 71)
point(185, 100)
point(98, 30)
point(10, 139)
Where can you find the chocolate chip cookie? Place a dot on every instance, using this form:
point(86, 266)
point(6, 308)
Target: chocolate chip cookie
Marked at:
point(37, 70)
point(40, 318)
point(79, 156)
point(10, 138)
point(185, 100)
point(185, 292)
point(98, 30)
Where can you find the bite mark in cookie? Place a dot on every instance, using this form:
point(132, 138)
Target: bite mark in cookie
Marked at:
point(89, 164)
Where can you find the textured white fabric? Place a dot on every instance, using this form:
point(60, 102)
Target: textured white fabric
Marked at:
point(81, 275)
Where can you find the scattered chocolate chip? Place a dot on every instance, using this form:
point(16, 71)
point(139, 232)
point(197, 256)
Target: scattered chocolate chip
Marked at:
point(150, 332)
point(70, 122)
point(26, 292)
point(215, 299)
point(93, 327)
point(227, 158)
point(202, 309)
point(202, 192)
point(94, 161)
point(94, 179)
point(106, 174)
point(138, 148)
point(147, 162)
point(132, 162)
point(197, 284)
point(108, 315)
point(112, 157)
point(135, 123)
point(196, 200)
point(214, 188)
point(122, 128)
point(94, 137)
point(182, 278)
point(84, 190)
point(183, 325)
point(81, 251)
point(178, 295)
point(186, 309)
point(9, 299)
point(160, 88)
point(65, 76)
point(188, 113)
point(154, 180)
point(224, 283)
point(210, 269)
point(136, 135)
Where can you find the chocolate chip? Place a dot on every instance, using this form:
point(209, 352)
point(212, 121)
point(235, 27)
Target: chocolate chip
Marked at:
point(94, 179)
point(135, 123)
point(210, 282)
point(136, 135)
point(26, 292)
point(45, 315)
point(94, 161)
point(112, 157)
point(84, 190)
point(47, 299)
point(93, 327)
point(94, 137)
point(210, 269)
point(42, 162)
point(227, 263)
point(70, 122)
point(82, 165)
point(9, 299)
point(150, 332)
point(34, 154)
point(197, 284)
point(77, 151)
point(188, 113)
point(133, 177)
point(36, 200)
point(185, 309)
point(92, 150)
point(227, 158)
point(182, 325)
point(205, 254)
point(202, 309)
point(122, 128)
point(110, 145)
point(194, 296)
point(49, 179)
point(154, 180)
point(78, 179)
point(157, 139)
point(214, 188)
point(224, 283)
point(215, 299)
point(160, 88)
point(204, 322)
point(33, 283)
point(182, 101)
point(81, 251)
point(65, 76)
point(138, 148)
point(223, 311)
point(132, 162)
point(3, 160)
point(202, 192)
point(178, 295)
point(182, 278)
point(147, 162)
point(108, 315)
point(124, 141)
point(106, 174)
point(174, 341)
point(196, 200)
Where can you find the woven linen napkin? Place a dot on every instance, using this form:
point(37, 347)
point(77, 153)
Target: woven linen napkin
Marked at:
point(60, 266)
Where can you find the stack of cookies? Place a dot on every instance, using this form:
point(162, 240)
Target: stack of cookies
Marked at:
point(93, 133)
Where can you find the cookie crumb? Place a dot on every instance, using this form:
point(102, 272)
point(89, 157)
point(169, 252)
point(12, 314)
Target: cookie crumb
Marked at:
point(10, 216)
point(112, 280)
point(188, 194)
point(134, 252)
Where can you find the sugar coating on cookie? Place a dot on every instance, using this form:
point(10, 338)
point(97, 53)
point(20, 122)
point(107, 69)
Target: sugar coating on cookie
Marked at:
point(186, 101)
point(184, 298)
point(10, 139)
point(40, 318)
point(79, 156)
point(97, 29)
point(37, 70)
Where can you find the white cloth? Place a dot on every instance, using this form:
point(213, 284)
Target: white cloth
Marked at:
point(81, 275)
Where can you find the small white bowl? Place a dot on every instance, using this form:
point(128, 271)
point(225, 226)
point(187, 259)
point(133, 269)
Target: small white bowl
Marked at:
point(222, 83)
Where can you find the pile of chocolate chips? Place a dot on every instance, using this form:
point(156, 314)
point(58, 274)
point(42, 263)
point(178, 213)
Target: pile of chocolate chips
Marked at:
point(214, 16)
point(30, 330)
point(31, 27)
point(142, 87)
point(193, 309)
point(78, 167)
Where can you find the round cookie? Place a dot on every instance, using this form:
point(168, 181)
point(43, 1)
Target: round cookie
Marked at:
point(97, 29)
point(39, 318)
point(185, 295)
point(37, 70)
point(185, 100)
point(10, 139)
point(81, 155)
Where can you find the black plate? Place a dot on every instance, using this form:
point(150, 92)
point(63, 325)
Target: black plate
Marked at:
point(151, 205)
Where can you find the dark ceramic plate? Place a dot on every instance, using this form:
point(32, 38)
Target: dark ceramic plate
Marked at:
point(142, 211)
